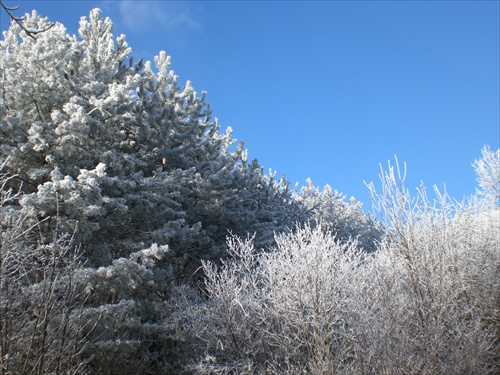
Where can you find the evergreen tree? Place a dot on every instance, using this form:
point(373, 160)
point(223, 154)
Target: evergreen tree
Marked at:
point(120, 153)
point(346, 220)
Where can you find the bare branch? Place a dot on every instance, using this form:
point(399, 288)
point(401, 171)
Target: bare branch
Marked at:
point(18, 20)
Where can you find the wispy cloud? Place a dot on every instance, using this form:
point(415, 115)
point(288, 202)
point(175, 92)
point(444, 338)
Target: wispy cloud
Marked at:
point(143, 15)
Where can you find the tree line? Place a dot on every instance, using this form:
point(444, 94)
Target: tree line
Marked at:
point(137, 237)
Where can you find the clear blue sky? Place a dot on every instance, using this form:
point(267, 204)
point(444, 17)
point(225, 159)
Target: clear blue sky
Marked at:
point(328, 90)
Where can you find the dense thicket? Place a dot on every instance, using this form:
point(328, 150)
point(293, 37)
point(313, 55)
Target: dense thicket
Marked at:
point(427, 301)
point(118, 192)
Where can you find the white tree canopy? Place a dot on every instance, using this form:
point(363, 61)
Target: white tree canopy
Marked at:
point(119, 153)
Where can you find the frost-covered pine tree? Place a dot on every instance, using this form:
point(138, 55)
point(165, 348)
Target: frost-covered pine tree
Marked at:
point(346, 219)
point(120, 153)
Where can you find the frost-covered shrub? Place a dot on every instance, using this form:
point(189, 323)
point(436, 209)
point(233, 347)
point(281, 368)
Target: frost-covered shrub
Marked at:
point(425, 302)
point(429, 301)
point(282, 311)
point(39, 300)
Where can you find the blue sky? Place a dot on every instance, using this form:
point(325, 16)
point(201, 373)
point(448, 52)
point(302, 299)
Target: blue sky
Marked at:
point(328, 90)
